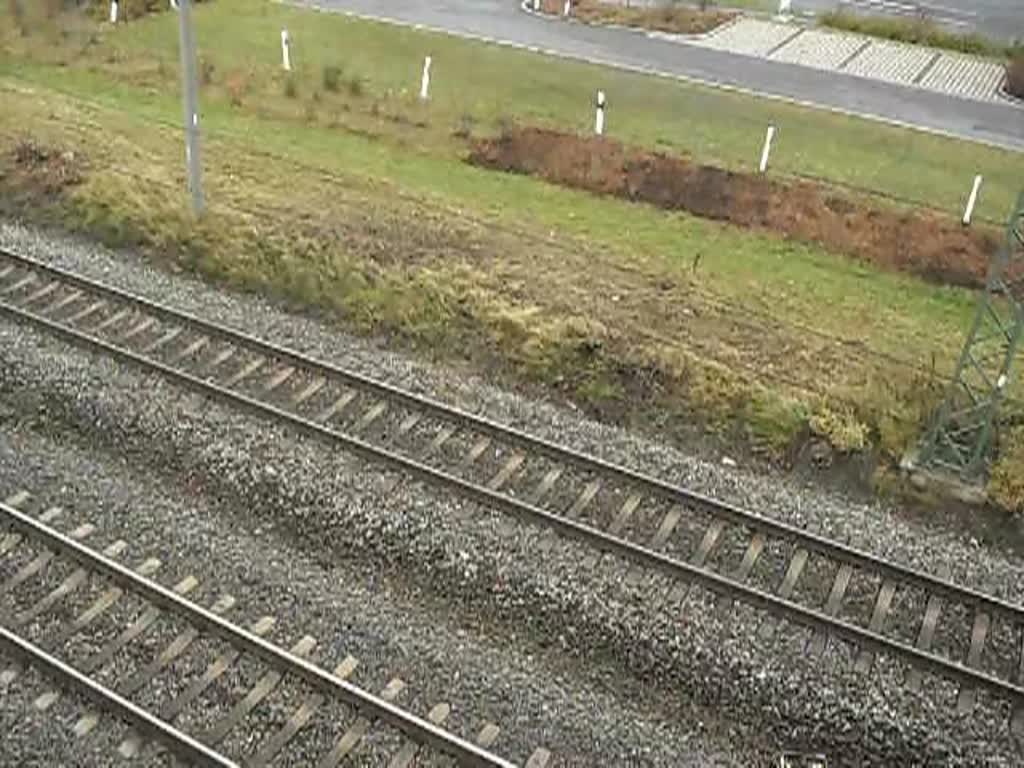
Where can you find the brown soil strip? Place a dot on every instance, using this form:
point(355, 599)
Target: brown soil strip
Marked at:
point(923, 243)
point(1015, 76)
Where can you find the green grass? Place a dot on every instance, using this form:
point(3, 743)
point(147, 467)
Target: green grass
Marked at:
point(492, 83)
point(920, 31)
point(355, 199)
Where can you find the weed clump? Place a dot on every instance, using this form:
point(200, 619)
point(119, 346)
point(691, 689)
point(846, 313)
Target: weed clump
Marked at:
point(291, 87)
point(330, 76)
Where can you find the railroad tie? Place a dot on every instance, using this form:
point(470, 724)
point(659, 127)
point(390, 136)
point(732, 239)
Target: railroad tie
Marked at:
point(144, 325)
point(273, 745)
point(488, 735)
point(442, 437)
point(617, 524)
point(243, 373)
point(358, 729)
point(219, 359)
point(146, 620)
point(175, 649)
point(883, 603)
point(794, 571)
point(699, 559)
point(71, 583)
point(66, 587)
point(58, 304)
point(99, 606)
point(582, 501)
point(1017, 714)
point(539, 759)
point(110, 322)
point(41, 561)
point(437, 715)
point(263, 688)
point(11, 540)
point(163, 341)
point(819, 640)
point(193, 349)
point(88, 311)
point(213, 672)
point(657, 541)
point(337, 406)
point(17, 285)
point(926, 634)
point(508, 469)
point(279, 378)
point(311, 389)
point(368, 418)
point(743, 570)
point(979, 633)
point(42, 293)
point(131, 744)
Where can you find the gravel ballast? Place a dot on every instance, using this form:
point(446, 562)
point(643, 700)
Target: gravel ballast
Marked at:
point(695, 677)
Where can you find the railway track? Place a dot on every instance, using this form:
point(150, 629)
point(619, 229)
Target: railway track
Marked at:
point(831, 589)
point(33, 549)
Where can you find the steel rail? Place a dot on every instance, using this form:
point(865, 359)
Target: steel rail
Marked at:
point(419, 730)
point(672, 493)
point(178, 742)
point(599, 539)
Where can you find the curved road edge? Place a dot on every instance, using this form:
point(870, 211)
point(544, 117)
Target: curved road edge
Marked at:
point(502, 22)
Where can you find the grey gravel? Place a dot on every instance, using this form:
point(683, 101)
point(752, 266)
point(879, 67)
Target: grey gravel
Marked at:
point(676, 682)
point(353, 603)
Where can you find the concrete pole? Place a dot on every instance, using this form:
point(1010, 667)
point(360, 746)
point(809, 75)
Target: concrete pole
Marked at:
point(190, 99)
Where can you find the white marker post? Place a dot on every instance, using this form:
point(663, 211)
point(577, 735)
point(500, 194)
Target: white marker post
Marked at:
point(599, 117)
point(785, 7)
point(767, 148)
point(113, 12)
point(568, 8)
point(536, 5)
point(425, 82)
point(972, 200)
point(286, 51)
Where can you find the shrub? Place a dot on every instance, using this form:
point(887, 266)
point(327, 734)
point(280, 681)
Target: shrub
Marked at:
point(331, 77)
point(291, 87)
point(236, 86)
point(356, 86)
point(131, 9)
point(917, 31)
point(1006, 486)
point(464, 127)
point(206, 70)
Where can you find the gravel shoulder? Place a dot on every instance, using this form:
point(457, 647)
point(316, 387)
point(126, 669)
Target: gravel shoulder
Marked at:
point(601, 667)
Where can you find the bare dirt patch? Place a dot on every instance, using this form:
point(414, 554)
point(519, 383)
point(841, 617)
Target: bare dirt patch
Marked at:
point(919, 242)
point(670, 18)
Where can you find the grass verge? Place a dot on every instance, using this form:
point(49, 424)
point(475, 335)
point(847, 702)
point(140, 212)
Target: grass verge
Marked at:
point(350, 196)
point(916, 31)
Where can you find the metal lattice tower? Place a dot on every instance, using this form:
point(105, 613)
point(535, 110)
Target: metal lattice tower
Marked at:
point(961, 437)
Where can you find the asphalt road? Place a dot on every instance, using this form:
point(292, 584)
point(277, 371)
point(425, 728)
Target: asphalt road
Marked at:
point(1000, 19)
point(1001, 124)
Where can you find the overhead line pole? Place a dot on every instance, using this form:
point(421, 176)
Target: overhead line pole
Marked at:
point(190, 99)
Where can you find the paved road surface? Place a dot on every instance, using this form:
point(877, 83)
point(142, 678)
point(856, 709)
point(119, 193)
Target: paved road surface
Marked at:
point(1001, 124)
